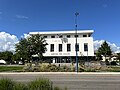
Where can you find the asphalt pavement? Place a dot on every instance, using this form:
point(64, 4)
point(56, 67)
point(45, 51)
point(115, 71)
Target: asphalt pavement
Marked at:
point(72, 80)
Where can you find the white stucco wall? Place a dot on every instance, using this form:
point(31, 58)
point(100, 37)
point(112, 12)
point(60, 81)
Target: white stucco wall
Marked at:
point(72, 40)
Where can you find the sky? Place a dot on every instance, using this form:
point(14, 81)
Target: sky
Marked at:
point(19, 17)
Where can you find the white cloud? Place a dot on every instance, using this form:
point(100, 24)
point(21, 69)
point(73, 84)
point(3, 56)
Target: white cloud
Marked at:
point(114, 48)
point(7, 42)
point(21, 17)
point(25, 35)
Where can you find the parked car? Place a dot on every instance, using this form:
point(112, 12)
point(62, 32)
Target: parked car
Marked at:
point(3, 62)
point(20, 63)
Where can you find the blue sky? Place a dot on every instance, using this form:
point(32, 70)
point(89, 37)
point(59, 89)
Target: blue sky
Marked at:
point(23, 16)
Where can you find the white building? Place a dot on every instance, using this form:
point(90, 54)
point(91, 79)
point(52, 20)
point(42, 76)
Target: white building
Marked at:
point(61, 45)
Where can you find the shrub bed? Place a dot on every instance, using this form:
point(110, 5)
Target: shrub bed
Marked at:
point(82, 68)
point(38, 84)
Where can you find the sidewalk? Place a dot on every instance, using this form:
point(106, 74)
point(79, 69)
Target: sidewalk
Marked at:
point(97, 73)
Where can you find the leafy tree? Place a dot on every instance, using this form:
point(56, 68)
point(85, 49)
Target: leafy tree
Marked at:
point(7, 56)
point(16, 57)
point(21, 49)
point(104, 50)
point(33, 45)
point(118, 57)
point(99, 57)
point(37, 44)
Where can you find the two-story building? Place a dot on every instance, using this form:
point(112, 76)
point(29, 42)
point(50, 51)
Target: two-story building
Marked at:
point(61, 45)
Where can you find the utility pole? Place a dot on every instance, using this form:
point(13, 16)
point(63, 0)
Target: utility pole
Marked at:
point(76, 46)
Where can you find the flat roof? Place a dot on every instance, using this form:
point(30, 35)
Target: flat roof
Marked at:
point(63, 32)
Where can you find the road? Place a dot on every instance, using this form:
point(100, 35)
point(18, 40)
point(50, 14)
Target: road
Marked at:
point(73, 81)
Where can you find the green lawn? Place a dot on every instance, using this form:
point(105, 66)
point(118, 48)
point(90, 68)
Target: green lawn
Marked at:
point(11, 68)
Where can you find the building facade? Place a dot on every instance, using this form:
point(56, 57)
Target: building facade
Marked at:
point(61, 46)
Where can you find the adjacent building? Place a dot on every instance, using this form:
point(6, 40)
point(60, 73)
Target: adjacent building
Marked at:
point(61, 45)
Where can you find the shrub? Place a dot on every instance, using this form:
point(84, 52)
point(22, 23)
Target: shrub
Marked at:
point(113, 63)
point(20, 86)
point(40, 84)
point(6, 84)
point(65, 69)
point(52, 68)
point(43, 67)
point(57, 88)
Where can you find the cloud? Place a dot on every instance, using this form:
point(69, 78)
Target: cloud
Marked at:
point(21, 17)
point(114, 48)
point(97, 44)
point(25, 35)
point(7, 42)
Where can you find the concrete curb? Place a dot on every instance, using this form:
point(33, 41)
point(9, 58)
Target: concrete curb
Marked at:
point(25, 73)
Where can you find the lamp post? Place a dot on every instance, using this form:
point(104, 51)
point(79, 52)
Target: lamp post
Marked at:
point(76, 47)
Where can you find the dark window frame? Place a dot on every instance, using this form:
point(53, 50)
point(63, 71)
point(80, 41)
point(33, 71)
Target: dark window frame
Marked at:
point(60, 47)
point(45, 36)
point(61, 36)
point(68, 36)
point(84, 35)
point(51, 47)
point(77, 47)
point(68, 47)
point(76, 36)
point(52, 36)
point(85, 47)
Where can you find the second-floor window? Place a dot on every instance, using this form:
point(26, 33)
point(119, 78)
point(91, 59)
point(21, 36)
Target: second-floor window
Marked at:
point(68, 36)
point(68, 47)
point(60, 36)
point(45, 36)
point(52, 47)
point(75, 35)
point(84, 35)
point(85, 46)
point(53, 36)
point(60, 47)
point(77, 47)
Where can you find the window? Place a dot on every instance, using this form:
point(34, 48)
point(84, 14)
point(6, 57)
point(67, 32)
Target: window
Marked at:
point(75, 35)
point(85, 46)
point(89, 35)
point(84, 35)
point(52, 36)
point(60, 47)
point(60, 36)
point(68, 47)
point(77, 47)
point(52, 47)
point(68, 36)
point(45, 36)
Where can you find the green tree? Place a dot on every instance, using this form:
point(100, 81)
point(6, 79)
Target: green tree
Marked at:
point(22, 49)
point(118, 57)
point(33, 45)
point(104, 50)
point(16, 57)
point(7, 56)
point(37, 44)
